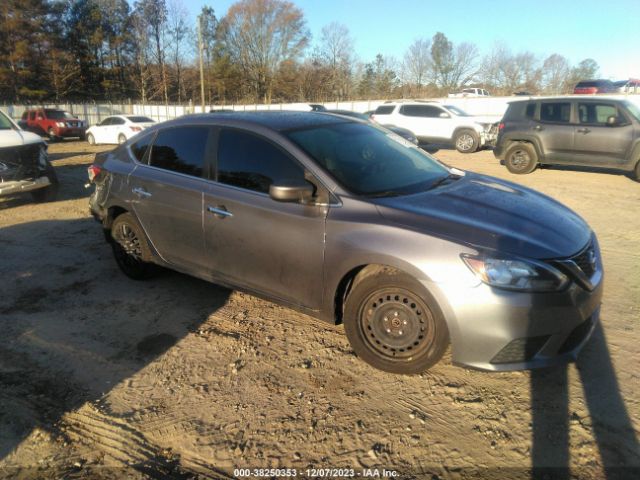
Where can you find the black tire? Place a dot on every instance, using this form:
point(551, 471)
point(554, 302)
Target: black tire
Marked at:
point(91, 139)
point(521, 158)
point(83, 137)
point(393, 324)
point(636, 172)
point(130, 248)
point(51, 134)
point(49, 193)
point(466, 140)
point(121, 139)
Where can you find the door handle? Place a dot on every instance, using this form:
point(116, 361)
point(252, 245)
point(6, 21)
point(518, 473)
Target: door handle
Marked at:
point(583, 130)
point(141, 192)
point(538, 127)
point(220, 211)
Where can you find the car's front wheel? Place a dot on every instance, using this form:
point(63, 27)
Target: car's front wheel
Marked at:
point(467, 141)
point(130, 248)
point(91, 139)
point(392, 323)
point(52, 135)
point(521, 158)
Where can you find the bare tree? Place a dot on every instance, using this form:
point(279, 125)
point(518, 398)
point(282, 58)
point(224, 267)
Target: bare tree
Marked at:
point(260, 35)
point(154, 13)
point(555, 72)
point(417, 65)
point(336, 51)
point(179, 33)
point(452, 67)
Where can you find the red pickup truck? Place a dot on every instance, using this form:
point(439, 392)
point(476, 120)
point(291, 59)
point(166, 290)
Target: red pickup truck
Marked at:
point(54, 123)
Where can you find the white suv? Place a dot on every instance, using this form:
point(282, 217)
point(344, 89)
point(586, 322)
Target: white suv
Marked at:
point(433, 122)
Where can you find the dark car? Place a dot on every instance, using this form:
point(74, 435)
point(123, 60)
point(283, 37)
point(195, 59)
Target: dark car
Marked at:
point(403, 132)
point(581, 131)
point(589, 87)
point(24, 164)
point(340, 220)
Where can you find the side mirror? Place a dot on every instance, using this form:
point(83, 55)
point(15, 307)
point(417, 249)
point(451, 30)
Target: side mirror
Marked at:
point(445, 115)
point(612, 121)
point(291, 191)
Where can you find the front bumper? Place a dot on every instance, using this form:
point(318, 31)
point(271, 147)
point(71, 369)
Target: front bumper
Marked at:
point(70, 132)
point(502, 330)
point(21, 186)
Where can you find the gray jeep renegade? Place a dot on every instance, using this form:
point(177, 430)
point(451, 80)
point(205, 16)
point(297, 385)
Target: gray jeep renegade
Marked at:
point(577, 130)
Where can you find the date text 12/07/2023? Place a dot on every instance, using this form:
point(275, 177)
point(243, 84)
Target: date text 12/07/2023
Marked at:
point(314, 473)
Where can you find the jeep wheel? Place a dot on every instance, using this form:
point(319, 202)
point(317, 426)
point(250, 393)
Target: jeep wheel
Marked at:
point(121, 139)
point(130, 248)
point(521, 158)
point(91, 139)
point(467, 141)
point(52, 135)
point(50, 192)
point(393, 324)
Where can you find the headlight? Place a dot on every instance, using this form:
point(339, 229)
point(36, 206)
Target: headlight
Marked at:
point(60, 124)
point(516, 274)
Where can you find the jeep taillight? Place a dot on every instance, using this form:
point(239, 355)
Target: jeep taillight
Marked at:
point(501, 126)
point(93, 171)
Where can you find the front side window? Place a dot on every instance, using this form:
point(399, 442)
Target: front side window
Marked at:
point(368, 160)
point(117, 121)
point(107, 121)
point(384, 110)
point(597, 113)
point(427, 111)
point(180, 149)
point(251, 162)
point(5, 123)
point(555, 112)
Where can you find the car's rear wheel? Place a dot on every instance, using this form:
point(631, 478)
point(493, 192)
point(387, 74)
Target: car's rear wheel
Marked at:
point(50, 192)
point(467, 141)
point(91, 139)
point(393, 324)
point(130, 248)
point(636, 172)
point(121, 138)
point(521, 158)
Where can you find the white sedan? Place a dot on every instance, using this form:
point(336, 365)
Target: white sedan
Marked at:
point(117, 128)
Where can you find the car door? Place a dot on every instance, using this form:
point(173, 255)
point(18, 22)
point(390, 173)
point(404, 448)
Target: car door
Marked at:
point(255, 242)
point(101, 130)
point(596, 142)
point(425, 121)
point(115, 129)
point(555, 131)
point(167, 194)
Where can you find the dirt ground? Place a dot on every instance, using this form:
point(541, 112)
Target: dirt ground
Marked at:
point(105, 377)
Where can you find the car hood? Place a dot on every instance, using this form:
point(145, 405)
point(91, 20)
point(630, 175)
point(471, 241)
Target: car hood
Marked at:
point(489, 213)
point(14, 138)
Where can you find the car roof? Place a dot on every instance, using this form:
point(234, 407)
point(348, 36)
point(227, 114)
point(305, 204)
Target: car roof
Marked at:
point(568, 98)
point(274, 120)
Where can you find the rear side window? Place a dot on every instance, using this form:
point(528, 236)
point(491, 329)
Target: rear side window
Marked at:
point(140, 147)
point(384, 110)
point(530, 111)
point(597, 113)
point(251, 162)
point(427, 111)
point(556, 112)
point(180, 150)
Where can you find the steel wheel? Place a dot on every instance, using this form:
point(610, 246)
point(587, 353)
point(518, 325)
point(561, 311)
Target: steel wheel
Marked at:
point(396, 324)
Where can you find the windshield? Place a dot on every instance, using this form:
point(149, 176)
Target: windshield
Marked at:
point(140, 119)
point(368, 160)
point(58, 115)
point(633, 108)
point(458, 111)
point(5, 123)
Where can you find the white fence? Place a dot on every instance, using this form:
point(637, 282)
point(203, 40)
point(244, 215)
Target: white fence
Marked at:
point(94, 113)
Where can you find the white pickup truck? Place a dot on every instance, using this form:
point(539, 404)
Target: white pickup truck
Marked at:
point(470, 92)
point(24, 164)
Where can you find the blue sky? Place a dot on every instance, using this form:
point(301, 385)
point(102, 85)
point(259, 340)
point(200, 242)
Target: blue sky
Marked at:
point(606, 31)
